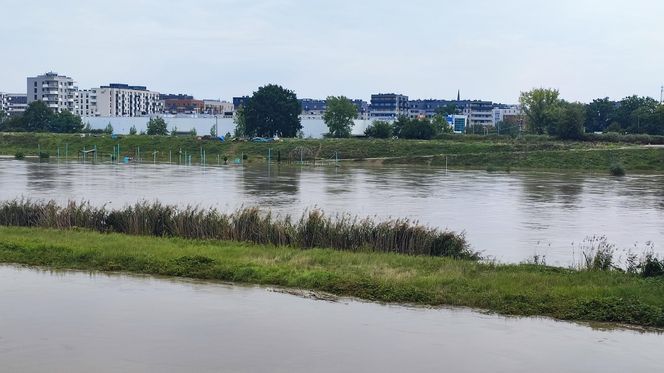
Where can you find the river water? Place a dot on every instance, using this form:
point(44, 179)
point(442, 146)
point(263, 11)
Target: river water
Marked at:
point(80, 322)
point(508, 216)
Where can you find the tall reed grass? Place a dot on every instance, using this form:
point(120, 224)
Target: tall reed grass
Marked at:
point(313, 229)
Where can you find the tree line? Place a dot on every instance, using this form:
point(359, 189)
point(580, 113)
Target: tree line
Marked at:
point(547, 113)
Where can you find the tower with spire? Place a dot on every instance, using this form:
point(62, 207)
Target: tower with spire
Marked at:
point(458, 95)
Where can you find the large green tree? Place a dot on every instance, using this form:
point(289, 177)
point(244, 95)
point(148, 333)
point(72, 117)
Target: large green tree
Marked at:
point(631, 110)
point(599, 114)
point(339, 116)
point(157, 126)
point(539, 106)
point(37, 117)
point(569, 119)
point(65, 122)
point(272, 110)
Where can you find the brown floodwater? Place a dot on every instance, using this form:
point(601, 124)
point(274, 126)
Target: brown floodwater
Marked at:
point(507, 216)
point(91, 322)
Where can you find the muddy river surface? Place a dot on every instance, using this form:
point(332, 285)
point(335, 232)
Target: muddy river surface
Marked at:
point(82, 322)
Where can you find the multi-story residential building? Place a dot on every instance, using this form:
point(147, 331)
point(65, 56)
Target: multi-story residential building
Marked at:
point(362, 108)
point(13, 103)
point(480, 113)
point(312, 108)
point(388, 106)
point(56, 91)
point(85, 102)
point(218, 107)
point(501, 110)
point(427, 108)
point(122, 100)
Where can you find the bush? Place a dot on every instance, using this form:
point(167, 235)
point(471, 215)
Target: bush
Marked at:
point(19, 155)
point(379, 130)
point(597, 254)
point(651, 266)
point(44, 155)
point(617, 169)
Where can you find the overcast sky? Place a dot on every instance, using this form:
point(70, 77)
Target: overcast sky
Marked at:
point(222, 48)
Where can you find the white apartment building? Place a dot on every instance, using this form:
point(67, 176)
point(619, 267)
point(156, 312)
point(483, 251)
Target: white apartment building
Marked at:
point(13, 103)
point(499, 113)
point(85, 102)
point(56, 91)
point(122, 100)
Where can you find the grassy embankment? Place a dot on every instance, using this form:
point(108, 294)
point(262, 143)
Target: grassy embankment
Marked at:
point(500, 153)
point(506, 289)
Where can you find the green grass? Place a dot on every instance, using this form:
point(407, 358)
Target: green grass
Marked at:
point(598, 159)
point(506, 289)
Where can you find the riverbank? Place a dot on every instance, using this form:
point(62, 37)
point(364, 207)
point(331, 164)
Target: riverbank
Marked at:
point(456, 151)
point(529, 290)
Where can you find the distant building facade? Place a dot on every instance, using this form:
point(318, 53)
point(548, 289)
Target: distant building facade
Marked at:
point(312, 108)
point(479, 113)
point(388, 106)
point(500, 111)
point(458, 123)
point(13, 103)
point(56, 91)
point(183, 106)
point(85, 103)
point(122, 100)
point(218, 108)
point(427, 108)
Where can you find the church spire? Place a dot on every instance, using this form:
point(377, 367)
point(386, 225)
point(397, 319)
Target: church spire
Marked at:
point(459, 95)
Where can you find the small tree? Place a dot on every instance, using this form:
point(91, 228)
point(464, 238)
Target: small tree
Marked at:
point(108, 129)
point(193, 131)
point(132, 130)
point(439, 121)
point(379, 130)
point(240, 122)
point(213, 131)
point(157, 126)
point(339, 116)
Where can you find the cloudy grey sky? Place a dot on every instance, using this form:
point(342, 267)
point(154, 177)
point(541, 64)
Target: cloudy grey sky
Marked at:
point(223, 48)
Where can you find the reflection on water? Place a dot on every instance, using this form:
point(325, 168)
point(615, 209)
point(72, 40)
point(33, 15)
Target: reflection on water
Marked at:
point(506, 216)
point(85, 322)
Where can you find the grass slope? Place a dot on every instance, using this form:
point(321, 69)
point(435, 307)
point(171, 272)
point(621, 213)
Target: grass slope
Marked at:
point(461, 151)
point(507, 289)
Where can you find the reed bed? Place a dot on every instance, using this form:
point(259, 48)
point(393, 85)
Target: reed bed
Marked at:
point(313, 229)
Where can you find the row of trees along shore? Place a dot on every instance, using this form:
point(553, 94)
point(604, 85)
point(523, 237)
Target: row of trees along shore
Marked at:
point(274, 111)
